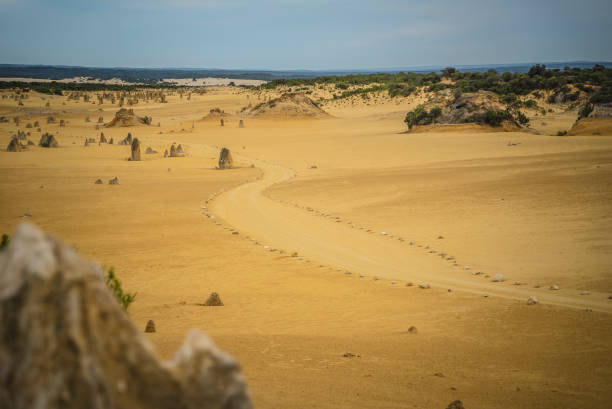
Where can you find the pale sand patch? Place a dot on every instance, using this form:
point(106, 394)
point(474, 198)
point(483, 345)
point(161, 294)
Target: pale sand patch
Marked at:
point(186, 82)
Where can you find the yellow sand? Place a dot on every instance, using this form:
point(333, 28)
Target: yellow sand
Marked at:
point(537, 211)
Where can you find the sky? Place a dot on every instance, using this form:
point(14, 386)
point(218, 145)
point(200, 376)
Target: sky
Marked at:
point(301, 34)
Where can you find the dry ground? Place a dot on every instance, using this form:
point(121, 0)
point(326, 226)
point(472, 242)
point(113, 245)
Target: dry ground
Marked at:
point(538, 212)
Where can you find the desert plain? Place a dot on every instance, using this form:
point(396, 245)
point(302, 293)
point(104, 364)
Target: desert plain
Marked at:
point(360, 265)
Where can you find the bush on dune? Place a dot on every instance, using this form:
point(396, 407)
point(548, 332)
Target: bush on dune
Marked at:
point(421, 116)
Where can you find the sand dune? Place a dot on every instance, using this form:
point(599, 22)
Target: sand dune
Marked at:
point(535, 210)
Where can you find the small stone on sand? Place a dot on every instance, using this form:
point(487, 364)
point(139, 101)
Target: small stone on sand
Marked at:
point(213, 300)
point(457, 404)
point(150, 326)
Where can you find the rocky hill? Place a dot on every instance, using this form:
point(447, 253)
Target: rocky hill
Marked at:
point(288, 106)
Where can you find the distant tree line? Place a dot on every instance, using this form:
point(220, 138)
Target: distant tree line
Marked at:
point(507, 84)
point(57, 88)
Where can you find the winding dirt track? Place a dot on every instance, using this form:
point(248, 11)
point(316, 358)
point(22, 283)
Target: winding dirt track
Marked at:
point(338, 245)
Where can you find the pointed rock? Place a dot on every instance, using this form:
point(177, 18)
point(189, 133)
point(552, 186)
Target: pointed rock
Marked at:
point(213, 300)
point(135, 149)
point(225, 159)
point(150, 326)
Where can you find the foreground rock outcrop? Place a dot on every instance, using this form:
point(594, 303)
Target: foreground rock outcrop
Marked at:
point(66, 343)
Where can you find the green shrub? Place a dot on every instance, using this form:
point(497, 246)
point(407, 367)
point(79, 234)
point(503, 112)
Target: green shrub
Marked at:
point(521, 117)
point(5, 241)
point(448, 72)
point(490, 117)
point(438, 87)
point(495, 118)
point(530, 103)
point(537, 70)
point(585, 111)
point(403, 90)
point(435, 112)
point(420, 116)
point(508, 98)
point(602, 96)
point(114, 284)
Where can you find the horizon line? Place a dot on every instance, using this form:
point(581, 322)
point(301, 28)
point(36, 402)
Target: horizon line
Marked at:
point(312, 69)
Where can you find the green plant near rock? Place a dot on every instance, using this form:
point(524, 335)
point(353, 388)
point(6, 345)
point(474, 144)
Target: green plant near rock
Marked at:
point(5, 241)
point(114, 284)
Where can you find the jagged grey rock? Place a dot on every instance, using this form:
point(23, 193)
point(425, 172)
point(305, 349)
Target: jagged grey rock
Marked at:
point(66, 343)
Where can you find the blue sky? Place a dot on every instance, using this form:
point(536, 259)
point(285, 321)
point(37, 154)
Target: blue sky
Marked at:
point(300, 34)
